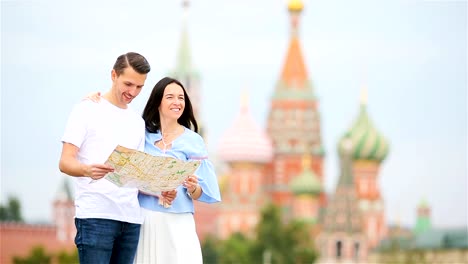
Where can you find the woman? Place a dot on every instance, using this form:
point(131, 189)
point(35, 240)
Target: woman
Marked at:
point(168, 235)
point(168, 232)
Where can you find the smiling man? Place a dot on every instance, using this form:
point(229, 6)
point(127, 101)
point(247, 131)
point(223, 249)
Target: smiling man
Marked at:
point(108, 218)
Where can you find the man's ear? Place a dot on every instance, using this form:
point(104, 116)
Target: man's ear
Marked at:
point(113, 75)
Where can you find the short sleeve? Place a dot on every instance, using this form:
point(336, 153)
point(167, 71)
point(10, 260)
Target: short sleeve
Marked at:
point(75, 130)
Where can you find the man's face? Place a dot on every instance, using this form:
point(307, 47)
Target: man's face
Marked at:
point(127, 85)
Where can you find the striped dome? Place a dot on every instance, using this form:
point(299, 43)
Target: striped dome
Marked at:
point(367, 142)
point(245, 141)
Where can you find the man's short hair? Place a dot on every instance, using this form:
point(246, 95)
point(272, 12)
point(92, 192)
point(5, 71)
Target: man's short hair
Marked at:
point(134, 60)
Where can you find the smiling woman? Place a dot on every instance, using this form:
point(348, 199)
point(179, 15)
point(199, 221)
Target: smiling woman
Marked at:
point(168, 234)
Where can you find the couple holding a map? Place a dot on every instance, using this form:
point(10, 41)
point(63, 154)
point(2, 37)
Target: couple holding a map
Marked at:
point(134, 165)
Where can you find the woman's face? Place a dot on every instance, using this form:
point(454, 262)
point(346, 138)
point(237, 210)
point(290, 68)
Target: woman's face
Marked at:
point(173, 102)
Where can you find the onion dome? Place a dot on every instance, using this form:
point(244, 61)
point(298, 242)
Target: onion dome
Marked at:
point(245, 141)
point(367, 143)
point(295, 5)
point(307, 182)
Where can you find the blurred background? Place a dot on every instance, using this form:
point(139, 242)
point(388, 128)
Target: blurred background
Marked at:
point(342, 120)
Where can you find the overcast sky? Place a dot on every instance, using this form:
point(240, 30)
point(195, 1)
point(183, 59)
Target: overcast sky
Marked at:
point(411, 55)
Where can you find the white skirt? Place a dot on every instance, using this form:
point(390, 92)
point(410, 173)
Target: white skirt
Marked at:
point(168, 238)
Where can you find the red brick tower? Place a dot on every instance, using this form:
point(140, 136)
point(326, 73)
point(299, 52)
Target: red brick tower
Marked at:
point(293, 121)
point(64, 213)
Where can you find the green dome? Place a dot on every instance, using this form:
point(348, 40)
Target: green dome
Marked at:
point(306, 183)
point(367, 142)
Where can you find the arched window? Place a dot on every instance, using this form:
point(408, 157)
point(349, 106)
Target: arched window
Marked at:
point(339, 246)
point(356, 251)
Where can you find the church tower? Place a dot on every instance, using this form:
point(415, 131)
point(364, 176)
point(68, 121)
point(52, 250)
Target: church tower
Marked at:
point(423, 221)
point(63, 213)
point(246, 149)
point(369, 149)
point(185, 72)
point(293, 121)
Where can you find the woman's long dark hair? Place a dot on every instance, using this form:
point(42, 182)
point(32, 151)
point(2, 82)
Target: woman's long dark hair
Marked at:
point(151, 111)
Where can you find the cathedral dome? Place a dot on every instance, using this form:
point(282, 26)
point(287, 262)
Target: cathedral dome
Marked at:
point(307, 182)
point(367, 142)
point(245, 141)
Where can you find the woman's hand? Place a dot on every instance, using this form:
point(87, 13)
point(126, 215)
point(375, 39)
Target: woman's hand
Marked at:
point(169, 196)
point(191, 183)
point(94, 96)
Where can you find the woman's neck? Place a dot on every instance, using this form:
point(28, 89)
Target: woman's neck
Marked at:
point(169, 127)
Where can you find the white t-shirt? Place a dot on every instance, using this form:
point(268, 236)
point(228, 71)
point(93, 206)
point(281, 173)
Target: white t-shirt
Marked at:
point(97, 128)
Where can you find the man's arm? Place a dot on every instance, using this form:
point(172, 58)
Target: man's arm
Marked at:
point(69, 164)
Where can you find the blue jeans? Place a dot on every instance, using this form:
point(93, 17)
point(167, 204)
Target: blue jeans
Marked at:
point(106, 241)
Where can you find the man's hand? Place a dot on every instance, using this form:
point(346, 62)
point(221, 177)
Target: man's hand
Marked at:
point(70, 164)
point(96, 171)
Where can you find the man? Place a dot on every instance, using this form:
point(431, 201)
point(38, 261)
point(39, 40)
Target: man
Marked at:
point(108, 217)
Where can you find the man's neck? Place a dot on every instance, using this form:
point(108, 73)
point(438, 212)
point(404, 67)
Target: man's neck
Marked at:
point(112, 98)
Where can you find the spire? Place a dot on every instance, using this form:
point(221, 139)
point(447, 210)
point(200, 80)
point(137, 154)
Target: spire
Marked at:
point(398, 219)
point(294, 73)
point(295, 8)
point(185, 72)
point(184, 58)
point(363, 96)
point(244, 102)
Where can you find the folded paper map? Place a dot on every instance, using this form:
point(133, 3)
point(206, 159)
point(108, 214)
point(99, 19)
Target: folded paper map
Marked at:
point(148, 173)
